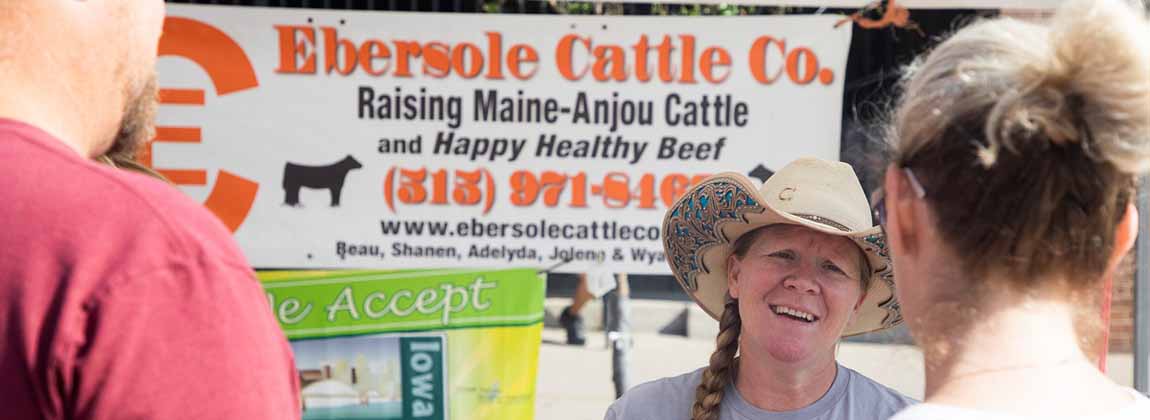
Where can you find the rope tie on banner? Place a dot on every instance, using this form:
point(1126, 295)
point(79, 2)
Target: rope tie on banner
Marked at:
point(548, 270)
point(891, 14)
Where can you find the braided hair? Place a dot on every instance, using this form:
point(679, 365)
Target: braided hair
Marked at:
point(709, 394)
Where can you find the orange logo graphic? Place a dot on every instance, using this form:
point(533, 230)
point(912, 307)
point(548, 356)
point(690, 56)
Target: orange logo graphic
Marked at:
point(227, 65)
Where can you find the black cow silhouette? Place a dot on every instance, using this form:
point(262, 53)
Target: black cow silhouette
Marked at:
point(330, 177)
point(761, 172)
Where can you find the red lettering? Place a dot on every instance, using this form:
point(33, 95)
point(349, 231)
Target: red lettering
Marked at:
point(369, 52)
point(460, 62)
point(810, 65)
point(715, 57)
point(610, 56)
point(641, 51)
point(437, 59)
point(564, 58)
point(758, 58)
point(404, 51)
point(688, 58)
point(331, 53)
point(518, 55)
point(494, 52)
point(292, 51)
point(666, 71)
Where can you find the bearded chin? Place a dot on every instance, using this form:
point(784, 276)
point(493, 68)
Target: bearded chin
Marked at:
point(138, 125)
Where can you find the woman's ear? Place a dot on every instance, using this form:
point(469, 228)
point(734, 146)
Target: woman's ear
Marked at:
point(901, 219)
point(1124, 235)
point(733, 276)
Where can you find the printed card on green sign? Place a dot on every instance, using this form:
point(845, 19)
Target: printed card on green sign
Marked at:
point(375, 345)
point(385, 376)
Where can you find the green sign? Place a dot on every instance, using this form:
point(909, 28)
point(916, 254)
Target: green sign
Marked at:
point(370, 302)
point(434, 345)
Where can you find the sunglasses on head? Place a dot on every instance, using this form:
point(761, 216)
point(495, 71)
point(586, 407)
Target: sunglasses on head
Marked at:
point(878, 198)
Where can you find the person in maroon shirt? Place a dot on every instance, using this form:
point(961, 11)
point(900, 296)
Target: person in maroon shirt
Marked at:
point(120, 298)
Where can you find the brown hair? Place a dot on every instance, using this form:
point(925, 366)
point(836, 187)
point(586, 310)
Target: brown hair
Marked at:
point(709, 393)
point(1027, 139)
point(129, 164)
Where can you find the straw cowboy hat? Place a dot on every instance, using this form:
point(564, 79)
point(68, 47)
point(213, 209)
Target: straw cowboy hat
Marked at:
point(700, 229)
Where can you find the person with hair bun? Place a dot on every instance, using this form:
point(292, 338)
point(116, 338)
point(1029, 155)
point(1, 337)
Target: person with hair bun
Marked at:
point(1009, 198)
point(787, 269)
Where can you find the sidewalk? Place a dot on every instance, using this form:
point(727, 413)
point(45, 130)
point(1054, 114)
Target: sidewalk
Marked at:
point(574, 383)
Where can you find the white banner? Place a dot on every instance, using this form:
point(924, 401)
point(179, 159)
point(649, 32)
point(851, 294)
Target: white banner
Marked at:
point(912, 4)
point(331, 139)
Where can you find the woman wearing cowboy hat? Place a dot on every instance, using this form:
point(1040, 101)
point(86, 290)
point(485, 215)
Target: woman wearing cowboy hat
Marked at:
point(1009, 200)
point(787, 269)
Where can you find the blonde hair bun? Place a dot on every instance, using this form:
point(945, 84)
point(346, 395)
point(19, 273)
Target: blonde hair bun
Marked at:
point(1030, 136)
point(1092, 88)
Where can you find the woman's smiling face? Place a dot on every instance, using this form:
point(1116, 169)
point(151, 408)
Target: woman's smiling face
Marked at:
point(797, 289)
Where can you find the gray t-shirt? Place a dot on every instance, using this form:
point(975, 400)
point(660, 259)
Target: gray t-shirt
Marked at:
point(852, 396)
